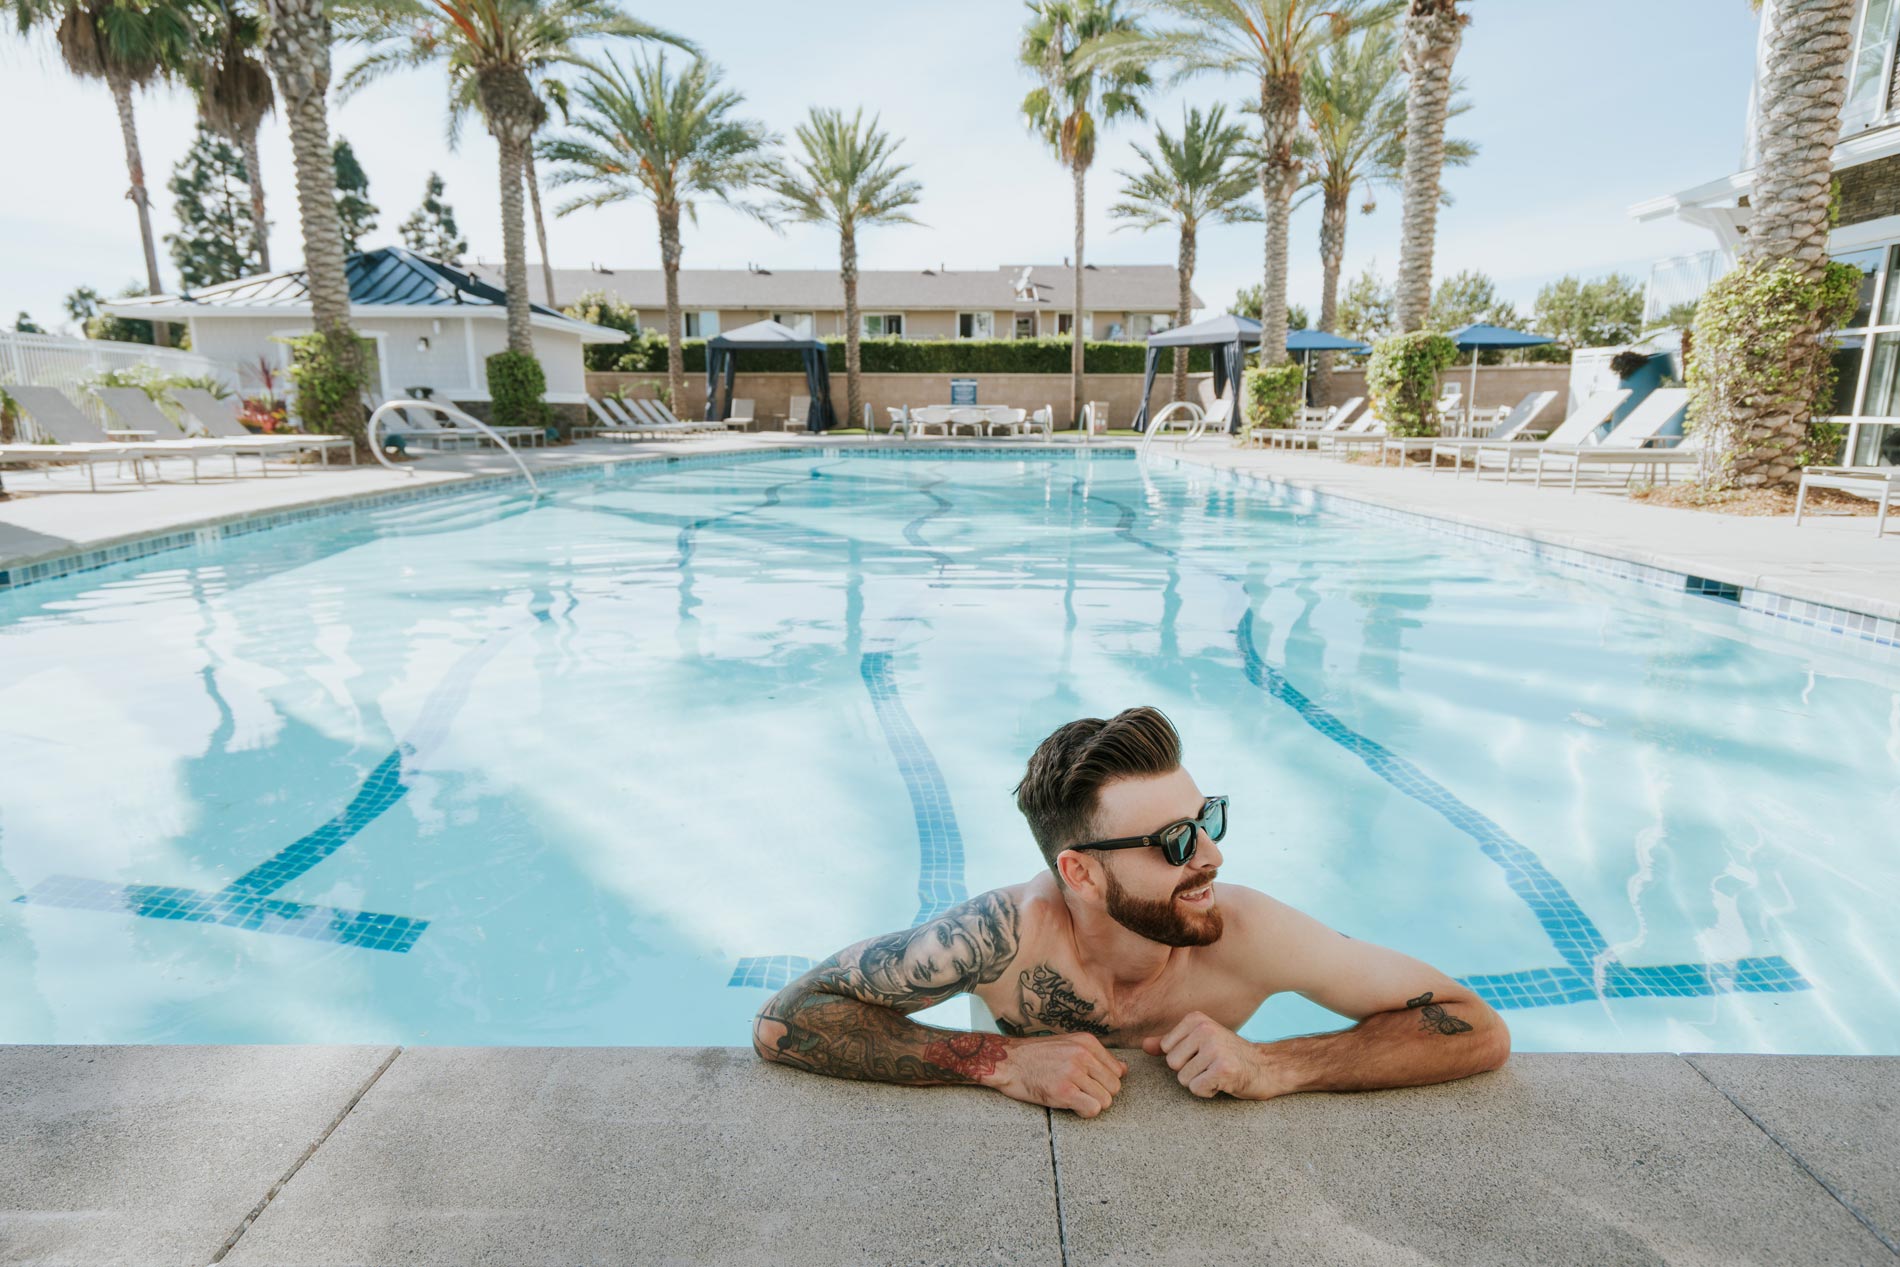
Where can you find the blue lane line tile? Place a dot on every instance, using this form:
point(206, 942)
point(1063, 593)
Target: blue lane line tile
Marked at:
point(382, 789)
point(939, 842)
point(364, 930)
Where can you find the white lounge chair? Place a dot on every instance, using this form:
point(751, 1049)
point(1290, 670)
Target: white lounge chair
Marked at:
point(1639, 429)
point(1590, 414)
point(161, 437)
point(1368, 431)
point(924, 417)
point(1005, 419)
point(1303, 437)
point(975, 419)
point(652, 417)
point(1042, 420)
point(603, 421)
point(660, 412)
point(742, 415)
point(219, 419)
point(72, 436)
point(1514, 424)
point(798, 414)
point(1879, 483)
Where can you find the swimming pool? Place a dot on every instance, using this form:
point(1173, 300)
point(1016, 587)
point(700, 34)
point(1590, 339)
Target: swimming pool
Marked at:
point(606, 767)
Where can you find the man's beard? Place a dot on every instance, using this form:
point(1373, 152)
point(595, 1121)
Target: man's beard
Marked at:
point(1162, 921)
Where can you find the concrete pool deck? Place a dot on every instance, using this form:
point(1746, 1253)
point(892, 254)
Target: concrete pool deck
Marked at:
point(280, 1155)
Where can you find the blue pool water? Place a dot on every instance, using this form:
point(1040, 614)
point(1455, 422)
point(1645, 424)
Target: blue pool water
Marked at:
point(607, 767)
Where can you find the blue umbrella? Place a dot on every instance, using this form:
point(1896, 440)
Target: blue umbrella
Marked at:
point(1477, 336)
point(1307, 342)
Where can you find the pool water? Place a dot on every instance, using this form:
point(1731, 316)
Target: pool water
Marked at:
point(607, 767)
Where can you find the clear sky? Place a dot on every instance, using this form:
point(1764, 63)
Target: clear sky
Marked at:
point(1579, 110)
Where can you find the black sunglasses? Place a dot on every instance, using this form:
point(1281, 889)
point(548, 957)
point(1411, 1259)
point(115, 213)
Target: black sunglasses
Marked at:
point(1177, 840)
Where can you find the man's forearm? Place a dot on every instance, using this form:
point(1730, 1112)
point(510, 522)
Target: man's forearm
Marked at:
point(1424, 1043)
point(846, 1038)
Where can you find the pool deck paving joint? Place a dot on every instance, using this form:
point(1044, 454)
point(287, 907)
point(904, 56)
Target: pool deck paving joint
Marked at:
point(389, 1155)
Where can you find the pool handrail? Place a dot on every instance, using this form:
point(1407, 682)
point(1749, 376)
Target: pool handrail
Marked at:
point(460, 416)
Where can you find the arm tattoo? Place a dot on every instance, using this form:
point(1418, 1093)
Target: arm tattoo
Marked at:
point(845, 1017)
point(1049, 998)
point(1435, 1019)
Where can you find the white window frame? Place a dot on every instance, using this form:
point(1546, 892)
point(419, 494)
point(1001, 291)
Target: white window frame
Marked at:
point(1035, 326)
point(708, 322)
point(1884, 281)
point(864, 325)
point(988, 317)
point(381, 338)
point(1879, 112)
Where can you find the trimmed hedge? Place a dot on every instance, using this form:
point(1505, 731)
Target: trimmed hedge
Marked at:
point(516, 385)
point(1273, 395)
point(647, 355)
point(1402, 379)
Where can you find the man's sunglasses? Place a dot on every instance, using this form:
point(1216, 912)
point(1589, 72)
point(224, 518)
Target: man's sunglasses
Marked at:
point(1176, 841)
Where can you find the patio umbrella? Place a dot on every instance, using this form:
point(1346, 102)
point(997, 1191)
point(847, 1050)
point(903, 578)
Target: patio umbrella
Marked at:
point(1307, 342)
point(1478, 336)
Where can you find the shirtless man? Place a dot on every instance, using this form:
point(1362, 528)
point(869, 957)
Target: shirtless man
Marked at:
point(1126, 942)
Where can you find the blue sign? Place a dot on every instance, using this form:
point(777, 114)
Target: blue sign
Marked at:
point(963, 391)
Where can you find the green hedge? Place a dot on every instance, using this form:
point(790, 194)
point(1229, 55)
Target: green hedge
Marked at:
point(1402, 379)
point(1273, 395)
point(647, 355)
point(516, 386)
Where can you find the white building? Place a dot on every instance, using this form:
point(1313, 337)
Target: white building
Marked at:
point(1867, 234)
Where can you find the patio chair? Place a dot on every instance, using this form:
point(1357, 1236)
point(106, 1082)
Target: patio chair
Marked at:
point(219, 419)
point(161, 437)
point(1591, 413)
point(742, 415)
point(1043, 420)
point(975, 419)
point(1514, 424)
point(1004, 418)
point(1638, 430)
point(1879, 483)
point(1303, 437)
point(603, 421)
point(924, 417)
point(72, 435)
point(798, 414)
point(900, 421)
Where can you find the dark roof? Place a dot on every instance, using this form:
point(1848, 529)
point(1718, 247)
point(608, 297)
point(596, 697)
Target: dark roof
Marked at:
point(1109, 288)
point(1208, 332)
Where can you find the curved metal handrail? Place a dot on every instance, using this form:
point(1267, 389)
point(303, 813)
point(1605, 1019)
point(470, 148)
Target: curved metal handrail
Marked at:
point(442, 406)
point(1156, 424)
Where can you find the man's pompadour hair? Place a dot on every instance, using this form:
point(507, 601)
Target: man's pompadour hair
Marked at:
point(1060, 790)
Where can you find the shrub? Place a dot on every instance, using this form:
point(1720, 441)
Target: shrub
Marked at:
point(328, 370)
point(1756, 362)
point(1402, 379)
point(516, 384)
point(597, 307)
point(1273, 395)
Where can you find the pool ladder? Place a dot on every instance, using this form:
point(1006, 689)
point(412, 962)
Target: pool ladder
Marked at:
point(459, 416)
point(1163, 421)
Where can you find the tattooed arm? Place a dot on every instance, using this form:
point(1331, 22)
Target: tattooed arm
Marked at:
point(847, 1016)
point(1415, 1024)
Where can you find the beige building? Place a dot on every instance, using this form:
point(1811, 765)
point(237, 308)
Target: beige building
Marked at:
point(1016, 301)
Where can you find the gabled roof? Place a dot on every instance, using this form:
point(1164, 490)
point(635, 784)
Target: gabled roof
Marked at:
point(389, 277)
point(1108, 288)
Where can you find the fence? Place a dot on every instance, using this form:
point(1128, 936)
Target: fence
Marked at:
point(1680, 280)
point(47, 360)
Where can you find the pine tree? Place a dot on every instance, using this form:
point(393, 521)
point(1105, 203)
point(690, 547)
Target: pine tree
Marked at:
point(211, 189)
point(353, 207)
point(431, 230)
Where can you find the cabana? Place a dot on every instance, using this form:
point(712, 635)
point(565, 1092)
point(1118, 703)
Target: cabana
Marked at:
point(1227, 335)
point(722, 364)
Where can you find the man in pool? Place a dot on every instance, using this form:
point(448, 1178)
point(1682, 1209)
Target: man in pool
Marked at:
point(1126, 942)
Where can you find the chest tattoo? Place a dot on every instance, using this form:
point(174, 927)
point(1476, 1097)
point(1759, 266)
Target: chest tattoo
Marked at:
point(1048, 999)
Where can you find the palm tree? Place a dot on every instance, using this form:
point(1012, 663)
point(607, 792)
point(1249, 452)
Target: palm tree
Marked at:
point(1433, 31)
point(1203, 176)
point(501, 46)
point(1072, 100)
point(1355, 108)
point(297, 44)
point(1272, 41)
point(669, 140)
point(128, 46)
point(846, 178)
point(234, 96)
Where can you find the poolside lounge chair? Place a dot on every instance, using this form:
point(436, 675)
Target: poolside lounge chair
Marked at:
point(926, 416)
point(1368, 430)
point(1590, 414)
point(1510, 427)
point(1880, 483)
point(74, 437)
point(219, 419)
point(975, 419)
point(1004, 418)
point(1043, 420)
point(1301, 437)
point(1625, 444)
point(652, 417)
point(436, 430)
point(659, 411)
point(798, 414)
point(603, 421)
point(161, 437)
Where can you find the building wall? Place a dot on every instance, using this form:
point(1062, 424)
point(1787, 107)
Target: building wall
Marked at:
point(924, 323)
point(1870, 190)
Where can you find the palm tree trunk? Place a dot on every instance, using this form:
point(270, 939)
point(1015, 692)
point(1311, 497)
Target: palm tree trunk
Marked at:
point(1332, 256)
point(299, 52)
point(514, 246)
point(1433, 31)
point(1760, 438)
point(1080, 174)
point(540, 229)
point(1183, 305)
point(669, 216)
point(260, 228)
point(848, 274)
point(135, 168)
point(1280, 123)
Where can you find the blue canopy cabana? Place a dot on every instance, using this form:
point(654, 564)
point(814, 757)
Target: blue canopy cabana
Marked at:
point(1478, 336)
point(1228, 335)
point(722, 365)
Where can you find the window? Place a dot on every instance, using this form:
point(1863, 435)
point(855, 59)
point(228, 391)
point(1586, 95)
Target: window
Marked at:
point(1025, 325)
point(976, 325)
point(1870, 70)
point(799, 323)
point(1114, 331)
point(1866, 354)
point(1065, 322)
point(702, 325)
point(1160, 321)
point(882, 325)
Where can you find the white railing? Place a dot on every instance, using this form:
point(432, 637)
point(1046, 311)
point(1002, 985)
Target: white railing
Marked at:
point(1680, 280)
point(396, 406)
point(49, 360)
